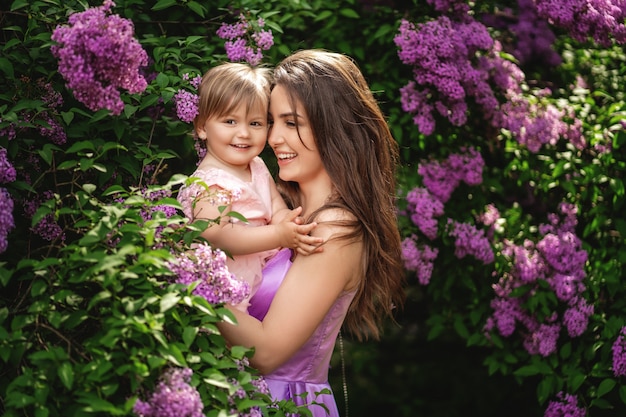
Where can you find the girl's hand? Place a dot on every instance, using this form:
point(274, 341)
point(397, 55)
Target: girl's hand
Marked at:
point(293, 234)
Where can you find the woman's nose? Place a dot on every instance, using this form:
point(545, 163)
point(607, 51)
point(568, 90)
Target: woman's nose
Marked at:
point(273, 137)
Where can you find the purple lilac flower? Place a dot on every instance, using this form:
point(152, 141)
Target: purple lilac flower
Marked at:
point(98, 55)
point(470, 241)
point(619, 354)
point(566, 405)
point(7, 222)
point(533, 37)
point(420, 260)
point(49, 229)
point(246, 41)
point(602, 20)
point(563, 252)
point(528, 264)
point(8, 132)
point(208, 266)
point(423, 209)
point(557, 259)
point(458, 8)
point(172, 397)
point(186, 105)
point(442, 177)
point(543, 340)
point(576, 318)
point(54, 131)
point(507, 311)
point(49, 95)
point(7, 171)
point(441, 53)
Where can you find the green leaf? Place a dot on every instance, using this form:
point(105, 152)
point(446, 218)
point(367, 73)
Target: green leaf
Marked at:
point(169, 301)
point(6, 67)
point(66, 374)
point(606, 386)
point(189, 335)
point(164, 4)
point(197, 8)
point(349, 13)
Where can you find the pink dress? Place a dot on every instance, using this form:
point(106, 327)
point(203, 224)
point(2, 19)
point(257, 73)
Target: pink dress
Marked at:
point(307, 370)
point(254, 203)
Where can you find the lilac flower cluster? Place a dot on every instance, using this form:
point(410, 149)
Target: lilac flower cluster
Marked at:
point(456, 60)
point(470, 241)
point(48, 228)
point(565, 406)
point(98, 55)
point(7, 171)
point(442, 177)
point(240, 393)
point(246, 40)
point(419, 259)
point(423, 208)
point(208, 267)
point(441, 53)
point(185, 101)
point(558, 260)
point(532, 123)
point(490, 217)
point(7, 222)
point(535, 124)
point(172, 397)
point(603, 20)
point(186, 104)
point(8, 131)
point(533, 37)
point(54, 131)
point(458, 8)
point(619, 354)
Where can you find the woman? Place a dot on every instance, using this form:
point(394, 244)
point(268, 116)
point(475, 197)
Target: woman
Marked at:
point(336, 159)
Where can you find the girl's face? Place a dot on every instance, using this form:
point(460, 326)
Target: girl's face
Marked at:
point(295, 149)
point(234, 139)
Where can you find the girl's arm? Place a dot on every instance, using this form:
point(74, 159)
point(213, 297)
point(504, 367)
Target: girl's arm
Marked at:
point(311, 286)
point(237, 239)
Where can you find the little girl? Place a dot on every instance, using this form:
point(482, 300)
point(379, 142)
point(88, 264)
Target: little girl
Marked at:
point(232, 120)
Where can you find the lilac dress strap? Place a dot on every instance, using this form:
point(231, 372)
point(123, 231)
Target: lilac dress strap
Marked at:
point(306, 372)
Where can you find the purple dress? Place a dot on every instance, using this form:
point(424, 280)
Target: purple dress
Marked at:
point(307, 370)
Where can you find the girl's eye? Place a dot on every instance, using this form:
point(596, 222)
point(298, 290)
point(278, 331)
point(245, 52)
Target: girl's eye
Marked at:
point(229, 121)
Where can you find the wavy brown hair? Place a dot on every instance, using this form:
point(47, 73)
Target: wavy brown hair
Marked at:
point(360, 155)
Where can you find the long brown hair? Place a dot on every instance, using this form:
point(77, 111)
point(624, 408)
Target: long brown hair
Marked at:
point(360, 155)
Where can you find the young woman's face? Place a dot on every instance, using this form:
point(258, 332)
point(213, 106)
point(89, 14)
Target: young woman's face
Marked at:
point(236, 138)
point(295, 149)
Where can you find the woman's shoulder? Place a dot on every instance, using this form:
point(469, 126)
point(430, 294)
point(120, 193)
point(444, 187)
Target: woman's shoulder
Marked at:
point(334, 214)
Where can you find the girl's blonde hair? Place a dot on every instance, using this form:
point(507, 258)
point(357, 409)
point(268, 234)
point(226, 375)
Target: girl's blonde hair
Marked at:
point(230, 84)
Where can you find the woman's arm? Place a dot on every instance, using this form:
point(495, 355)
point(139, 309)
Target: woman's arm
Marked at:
point(311, 286)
